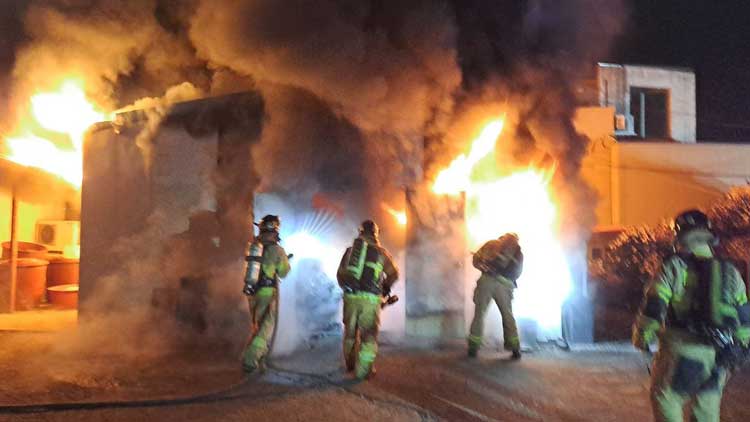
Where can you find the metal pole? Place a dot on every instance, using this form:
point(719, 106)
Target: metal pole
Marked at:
point(643, 115)
point(13, 253)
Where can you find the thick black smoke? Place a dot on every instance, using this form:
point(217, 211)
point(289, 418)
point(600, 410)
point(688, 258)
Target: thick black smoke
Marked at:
point(386, 70)
point(108, 43)
point(395, 71)
point(352, 89)
point(384, 65)
point(529, 59)
point(305, 145)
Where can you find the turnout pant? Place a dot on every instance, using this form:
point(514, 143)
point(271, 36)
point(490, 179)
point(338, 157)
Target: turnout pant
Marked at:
point(263, 312)
point(487, 290)
point(361, 325)
point(686, 372)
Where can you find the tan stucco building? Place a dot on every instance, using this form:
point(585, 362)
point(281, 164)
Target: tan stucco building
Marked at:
point(647, 172)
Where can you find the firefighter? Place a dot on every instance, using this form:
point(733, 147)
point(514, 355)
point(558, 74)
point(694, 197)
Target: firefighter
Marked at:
point(263, 293)
point(366, 274)
point(697, 307)
point(501, 264)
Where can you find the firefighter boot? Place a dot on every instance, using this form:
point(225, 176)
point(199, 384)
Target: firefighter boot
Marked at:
point(473, 350)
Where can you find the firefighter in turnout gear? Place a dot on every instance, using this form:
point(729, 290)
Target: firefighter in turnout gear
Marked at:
point(366, 274)
point(501, 264)
point(698, 309)
point(262, 292)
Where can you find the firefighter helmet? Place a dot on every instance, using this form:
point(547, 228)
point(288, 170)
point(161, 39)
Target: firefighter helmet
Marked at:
point(369, 227)
point(509, 240)
point(691, 220)
point(510, 236)
point(270, 223)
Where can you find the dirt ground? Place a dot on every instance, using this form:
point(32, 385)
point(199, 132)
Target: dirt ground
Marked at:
point(603, 383)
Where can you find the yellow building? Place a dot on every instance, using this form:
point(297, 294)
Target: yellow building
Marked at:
point(40, 197)
point(644, 160)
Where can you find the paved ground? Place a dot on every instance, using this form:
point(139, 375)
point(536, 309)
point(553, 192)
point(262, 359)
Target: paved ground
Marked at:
point(47, 319)
point(411, 385)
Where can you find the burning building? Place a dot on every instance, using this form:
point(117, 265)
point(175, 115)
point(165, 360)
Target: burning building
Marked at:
point(40, 189)
point(170, 219)
point(170, 189)
point(349, 111)
point(195, 173)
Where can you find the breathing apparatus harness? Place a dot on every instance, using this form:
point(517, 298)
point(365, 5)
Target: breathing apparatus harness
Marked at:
point(504, 263)
point(364, 264)
point(255, 278)
point(707, 319)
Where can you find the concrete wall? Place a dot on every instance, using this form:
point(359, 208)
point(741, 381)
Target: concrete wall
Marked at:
point(184, 215)
point(645, 182)
point(596, 124)
point(615, 82)
point(613, 88)
point(654, 181)
point(681, 86)
point(129, 210)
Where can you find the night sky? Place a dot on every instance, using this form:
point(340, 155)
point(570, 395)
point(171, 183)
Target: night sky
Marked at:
point(711, 37)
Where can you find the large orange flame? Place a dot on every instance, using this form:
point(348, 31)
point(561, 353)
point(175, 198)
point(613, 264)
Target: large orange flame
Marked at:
point(497, 202)
point(457, 177)
point(64, 112)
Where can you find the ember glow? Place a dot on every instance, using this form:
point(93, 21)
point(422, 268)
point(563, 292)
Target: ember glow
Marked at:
point(400, 216)
point(520, 201)
point(64, 112)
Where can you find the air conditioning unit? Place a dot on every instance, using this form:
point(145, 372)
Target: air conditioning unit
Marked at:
point(57, 234)
point(620, 122)
point(624, 124)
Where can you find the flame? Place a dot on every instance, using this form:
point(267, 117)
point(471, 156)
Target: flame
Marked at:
point(64, 111)
point(520, 202)
point(456, 178)
point(400, 216)
point(32, 151)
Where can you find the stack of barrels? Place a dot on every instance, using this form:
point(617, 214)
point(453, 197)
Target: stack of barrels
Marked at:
point(41, 277)
point(62, 281)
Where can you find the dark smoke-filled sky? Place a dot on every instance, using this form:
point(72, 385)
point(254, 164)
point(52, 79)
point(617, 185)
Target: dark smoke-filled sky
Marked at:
point(707, 36)
point(710, 37)
point(361, 86)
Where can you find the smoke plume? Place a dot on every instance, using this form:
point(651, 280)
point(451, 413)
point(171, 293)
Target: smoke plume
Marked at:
point(385, 66)
point(106, 43)
point(357, 95)
point(530, 60)
point(155, 110)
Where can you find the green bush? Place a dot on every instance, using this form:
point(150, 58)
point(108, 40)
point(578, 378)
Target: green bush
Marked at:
point(635, 256)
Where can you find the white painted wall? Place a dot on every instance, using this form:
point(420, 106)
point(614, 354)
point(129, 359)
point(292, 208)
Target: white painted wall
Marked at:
point(681, 86)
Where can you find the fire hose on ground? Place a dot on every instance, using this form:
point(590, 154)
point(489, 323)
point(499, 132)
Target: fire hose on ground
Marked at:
point(213, 397)
point(231, 393)
point(227, 394)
